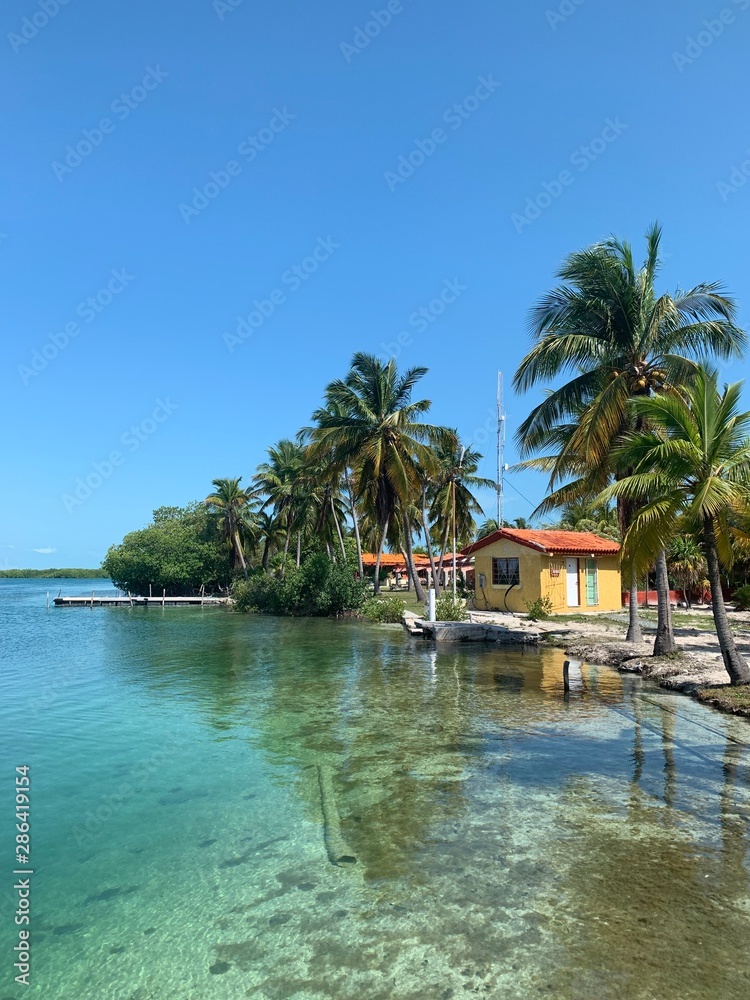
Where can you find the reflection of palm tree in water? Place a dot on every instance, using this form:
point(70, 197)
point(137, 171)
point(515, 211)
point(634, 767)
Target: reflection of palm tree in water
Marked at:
point(385, 740)
point(734, 828)
point(667, 742)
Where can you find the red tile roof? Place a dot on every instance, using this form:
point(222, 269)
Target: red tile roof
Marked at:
point(557, 542)
point(390, 560)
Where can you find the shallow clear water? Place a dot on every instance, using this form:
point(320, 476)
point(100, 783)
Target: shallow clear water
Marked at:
point(510, 843)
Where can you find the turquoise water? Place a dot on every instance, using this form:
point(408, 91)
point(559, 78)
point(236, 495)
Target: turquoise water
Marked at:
point(510, 843)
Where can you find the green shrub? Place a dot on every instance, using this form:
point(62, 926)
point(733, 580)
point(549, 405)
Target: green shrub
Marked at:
point(319, 588)
point(448, 610)
point(741, 598)
point(259, 593)
point(384, 609)
point(539, 609)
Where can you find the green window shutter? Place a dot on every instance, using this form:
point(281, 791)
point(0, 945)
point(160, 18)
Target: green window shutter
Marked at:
point(592, 583)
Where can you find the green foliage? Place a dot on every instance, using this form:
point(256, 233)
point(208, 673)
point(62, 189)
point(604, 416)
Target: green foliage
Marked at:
point(741, 598)
point(319, 588)
point(180, 551)
point(448, 610)
point(539, 609)
point(53, 574)
point(384, 609)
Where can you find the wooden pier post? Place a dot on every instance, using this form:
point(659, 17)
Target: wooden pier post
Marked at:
point(566, 675)
point(92, 598)
point(47, 600)
point(163, 596)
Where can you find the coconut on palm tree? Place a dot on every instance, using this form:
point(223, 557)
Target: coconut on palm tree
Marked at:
point(692, 464)
point(614, 339)
point(233, 505)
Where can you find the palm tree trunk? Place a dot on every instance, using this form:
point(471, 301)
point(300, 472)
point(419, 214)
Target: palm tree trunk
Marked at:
point(383, 533)
point(266, 554)
point(239, 552)
point(299, 548)
point(736, 667)
point(635, 633)
point(664, 644)
point(418, 588)
point(355, 520)
point(428, 542)
point(338, 528)
point(286, 544)
point(408, 571)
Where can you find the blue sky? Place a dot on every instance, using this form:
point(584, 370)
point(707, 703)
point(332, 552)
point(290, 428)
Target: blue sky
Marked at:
point(123, 276)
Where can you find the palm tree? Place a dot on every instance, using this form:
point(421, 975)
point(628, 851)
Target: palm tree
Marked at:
point(487, 527)
point(694, 464)
point(606, 328)
point(452, 499)
point(272, 531)
point(582, 515)
point(370, 424)
point(686, 563)
point(278, 480)
point(232, 504)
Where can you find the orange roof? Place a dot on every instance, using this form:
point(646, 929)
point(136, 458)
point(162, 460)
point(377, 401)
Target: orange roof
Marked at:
point(393, 560)
point(387, 559)
point(550, 541)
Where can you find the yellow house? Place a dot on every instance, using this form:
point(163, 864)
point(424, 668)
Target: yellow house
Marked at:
point(577, 570)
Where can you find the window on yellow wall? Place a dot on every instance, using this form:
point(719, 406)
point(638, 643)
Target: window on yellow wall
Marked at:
point(592, 583)
point(505, 572)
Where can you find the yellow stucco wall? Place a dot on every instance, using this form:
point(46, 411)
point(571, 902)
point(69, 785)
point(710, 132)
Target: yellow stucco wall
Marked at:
point(538, 579)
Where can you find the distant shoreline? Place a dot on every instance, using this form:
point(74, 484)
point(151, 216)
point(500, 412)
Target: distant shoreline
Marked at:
point(54, 574)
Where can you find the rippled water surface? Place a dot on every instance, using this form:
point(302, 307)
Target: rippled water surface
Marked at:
point(194, 772)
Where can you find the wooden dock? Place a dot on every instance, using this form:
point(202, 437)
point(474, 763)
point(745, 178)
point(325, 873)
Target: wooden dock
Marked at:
point(92, 601)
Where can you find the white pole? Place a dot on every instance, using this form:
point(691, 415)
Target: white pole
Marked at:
point(431, 604)
point(454, 539)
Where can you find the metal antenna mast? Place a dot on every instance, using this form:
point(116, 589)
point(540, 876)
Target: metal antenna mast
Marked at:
point(500, 449)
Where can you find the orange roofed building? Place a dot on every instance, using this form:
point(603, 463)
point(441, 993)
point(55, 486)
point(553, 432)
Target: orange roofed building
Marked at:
point(398, 576)
point(576, 570)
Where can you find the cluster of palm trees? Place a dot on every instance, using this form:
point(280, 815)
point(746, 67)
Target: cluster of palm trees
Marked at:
point(368, 472)
point(641, 419)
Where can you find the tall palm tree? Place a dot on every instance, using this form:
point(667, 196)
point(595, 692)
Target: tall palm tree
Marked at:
point(606, 328)
point(370, 424)
point(232, 503)
point(279, 480)
point(693, 464)
point(272, 532)
point(452, 493)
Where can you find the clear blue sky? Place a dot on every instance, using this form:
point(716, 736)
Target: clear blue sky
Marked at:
point(316, 123)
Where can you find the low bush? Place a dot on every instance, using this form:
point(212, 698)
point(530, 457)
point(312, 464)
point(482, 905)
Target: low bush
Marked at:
point(539, 609)
point(319, 588)
point(448, 610)
point(384, 609)
point(741, 598)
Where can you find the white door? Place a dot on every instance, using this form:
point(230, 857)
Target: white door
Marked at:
point(571, 572)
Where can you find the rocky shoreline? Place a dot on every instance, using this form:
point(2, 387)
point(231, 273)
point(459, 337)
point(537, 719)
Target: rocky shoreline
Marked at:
point(696, 669)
